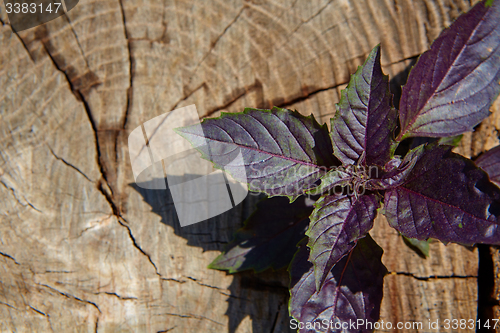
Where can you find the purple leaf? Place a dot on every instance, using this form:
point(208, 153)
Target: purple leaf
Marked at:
point(269, 237)
point(446, 197)
point(365, 120)
point(490, 162)
point(283, 152)
point(337, 223)
point(453, 85)
point(352, 291)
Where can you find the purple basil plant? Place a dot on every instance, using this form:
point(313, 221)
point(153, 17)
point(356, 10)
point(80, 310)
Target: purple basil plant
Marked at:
point(352, 170)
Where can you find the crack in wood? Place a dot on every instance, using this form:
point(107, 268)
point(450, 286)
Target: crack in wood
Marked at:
point(173, 280)
point(9, 257)
point(90, 117)
point(38, 311)
point(69, 164)
point(93, 124)
point(55, 272)
point(276, 318)
point(24, 45)
point(13, 191)
point(214, 43)
point(186, 96)
point(95, 225)
point(191, 316)
point(219, 290)
point(137, 245)
point(8, 305)
point(77, 40)
point(434, 277)
point(308, 95)
point(125, 298)
point(203, 284)
point(239, 93)
point(309, 19)
point(167, 330)
point(70, 296)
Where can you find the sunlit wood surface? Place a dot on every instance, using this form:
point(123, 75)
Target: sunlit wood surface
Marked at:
point(83, 249)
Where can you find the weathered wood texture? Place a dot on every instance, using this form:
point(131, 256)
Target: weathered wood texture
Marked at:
point(83, 249)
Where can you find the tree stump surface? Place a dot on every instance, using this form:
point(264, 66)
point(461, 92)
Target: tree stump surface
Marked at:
point(83, 249)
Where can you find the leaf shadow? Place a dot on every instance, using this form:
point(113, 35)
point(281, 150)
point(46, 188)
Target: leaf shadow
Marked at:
point(262, 297)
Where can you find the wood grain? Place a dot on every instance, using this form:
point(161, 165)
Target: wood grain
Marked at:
point(84, 249)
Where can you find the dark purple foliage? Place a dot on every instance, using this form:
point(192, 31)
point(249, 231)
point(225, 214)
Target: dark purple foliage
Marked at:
point(453, 85)
point(352, 290)
point(490, 162)
point(447, 197)
point(283, 151)
point(337, 223)
point(365, 120)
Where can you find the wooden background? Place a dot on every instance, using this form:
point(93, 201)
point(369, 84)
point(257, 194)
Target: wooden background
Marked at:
point(83, 249)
